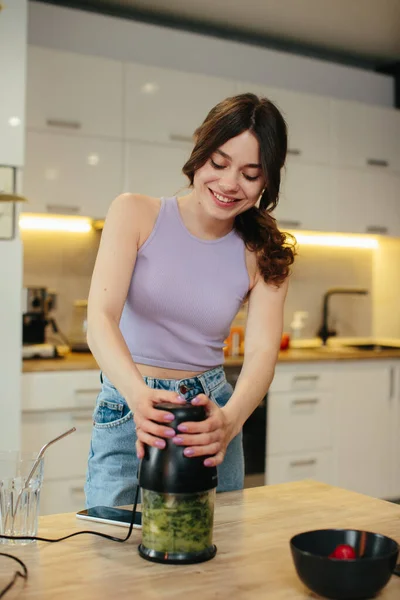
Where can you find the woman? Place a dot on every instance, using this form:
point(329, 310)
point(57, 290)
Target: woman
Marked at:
point(169, 278)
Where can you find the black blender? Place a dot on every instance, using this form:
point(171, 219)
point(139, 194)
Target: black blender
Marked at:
point(178, 495)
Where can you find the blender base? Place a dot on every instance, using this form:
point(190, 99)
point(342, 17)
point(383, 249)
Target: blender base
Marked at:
point(177, 558)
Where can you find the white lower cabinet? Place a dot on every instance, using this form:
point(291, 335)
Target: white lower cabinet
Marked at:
point(62, 496)
point(301, 422)
point(52, 403)
point(365, 411)
point(342, 427)
point(298, 466)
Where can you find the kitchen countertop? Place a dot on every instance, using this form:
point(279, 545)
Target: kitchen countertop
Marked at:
point(252, 533)
point(84, 361)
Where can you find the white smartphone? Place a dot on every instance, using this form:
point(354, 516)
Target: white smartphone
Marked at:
point(111, 516)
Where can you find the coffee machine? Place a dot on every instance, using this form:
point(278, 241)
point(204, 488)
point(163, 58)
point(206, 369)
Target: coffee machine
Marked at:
point(37, 303)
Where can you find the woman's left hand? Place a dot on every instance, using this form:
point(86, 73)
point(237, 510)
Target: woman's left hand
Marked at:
point(206, 438)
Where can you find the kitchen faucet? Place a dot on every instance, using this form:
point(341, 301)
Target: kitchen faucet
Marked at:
point(324, 332)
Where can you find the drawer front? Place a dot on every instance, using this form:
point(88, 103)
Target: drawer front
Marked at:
point(51, 391)
point(295, 467)
point(311, 379)
point(299, 421)
point(62, 497)
point(68, 457)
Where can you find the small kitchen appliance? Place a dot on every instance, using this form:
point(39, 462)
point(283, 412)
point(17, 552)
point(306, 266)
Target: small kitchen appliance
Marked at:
point(37, 304)
point(178, 495)
point(34, 317)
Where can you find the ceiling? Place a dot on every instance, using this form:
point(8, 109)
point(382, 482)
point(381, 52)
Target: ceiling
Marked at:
point(367, 29)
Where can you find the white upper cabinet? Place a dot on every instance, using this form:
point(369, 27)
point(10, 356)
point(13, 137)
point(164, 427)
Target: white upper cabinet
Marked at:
point(306, 197)
point(165, 105)
point(73, 93)
point(71, 175)
point(365, 136)
point(366, 201)
point(307, 118)
point(12, 82)
point(155, 169)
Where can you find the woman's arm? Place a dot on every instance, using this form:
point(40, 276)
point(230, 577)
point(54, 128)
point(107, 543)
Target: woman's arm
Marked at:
point(109, 287)
point(262, 343)
point(263, 336)
point(126, 220)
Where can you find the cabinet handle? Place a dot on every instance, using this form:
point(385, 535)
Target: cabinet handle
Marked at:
point(290, 224)
point(63, 209)
point(377, 162)
point(306, 378)
point(303, 463)
point(305, 401)
point(177, 137)
point(64, 124)
point(88, 390)
point(293, 151)
point(376, 229)
point(391, 383)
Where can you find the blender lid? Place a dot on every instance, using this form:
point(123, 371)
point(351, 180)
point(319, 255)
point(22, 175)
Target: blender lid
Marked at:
point(168, 470)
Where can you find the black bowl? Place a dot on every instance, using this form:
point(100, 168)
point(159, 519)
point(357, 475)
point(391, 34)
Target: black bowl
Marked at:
point(343, 579)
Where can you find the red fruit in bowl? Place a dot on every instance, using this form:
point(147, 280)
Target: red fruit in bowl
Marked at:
point(343, 552)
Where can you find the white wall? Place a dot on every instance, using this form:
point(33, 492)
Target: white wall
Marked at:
point(13, 42)
point(10, 346)
point(126, 40)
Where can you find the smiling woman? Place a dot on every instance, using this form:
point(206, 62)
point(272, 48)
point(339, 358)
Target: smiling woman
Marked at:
point(244, 141)
point(170, 276)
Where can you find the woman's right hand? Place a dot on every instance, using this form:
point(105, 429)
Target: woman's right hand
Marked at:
point(148, 419)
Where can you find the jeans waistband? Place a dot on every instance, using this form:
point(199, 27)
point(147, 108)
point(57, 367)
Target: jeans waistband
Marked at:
point(190, 387)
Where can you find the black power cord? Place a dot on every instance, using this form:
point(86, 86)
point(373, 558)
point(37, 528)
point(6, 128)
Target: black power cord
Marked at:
point(24, 575)
point(17, 574)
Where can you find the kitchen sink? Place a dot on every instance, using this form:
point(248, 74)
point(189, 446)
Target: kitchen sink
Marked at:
point(374, 347)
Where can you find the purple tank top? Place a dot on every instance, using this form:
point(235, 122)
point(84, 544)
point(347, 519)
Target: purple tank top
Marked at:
point(183, 296)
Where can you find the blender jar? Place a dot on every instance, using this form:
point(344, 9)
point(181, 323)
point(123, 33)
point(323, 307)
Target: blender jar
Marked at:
point(178, 496)
point(178, 523)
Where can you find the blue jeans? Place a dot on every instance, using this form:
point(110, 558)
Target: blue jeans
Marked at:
point(112, 466)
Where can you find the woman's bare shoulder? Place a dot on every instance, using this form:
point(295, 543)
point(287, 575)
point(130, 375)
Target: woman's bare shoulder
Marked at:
point(135, 212)
point(136, 203)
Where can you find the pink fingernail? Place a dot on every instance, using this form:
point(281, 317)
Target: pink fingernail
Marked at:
point(208, 462)
point(195, 400)
point(188, 452)
point(182, 428)
point(177, 440)
point(160, 444)
point(169, 433)
point(169, 417)
point(182, 399)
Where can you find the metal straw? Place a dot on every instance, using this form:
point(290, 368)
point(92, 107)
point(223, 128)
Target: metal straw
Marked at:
point(32, 471)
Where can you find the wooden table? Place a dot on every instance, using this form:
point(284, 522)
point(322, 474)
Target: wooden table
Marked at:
point(252, 533)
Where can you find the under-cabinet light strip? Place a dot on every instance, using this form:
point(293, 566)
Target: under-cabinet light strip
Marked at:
point(335, 240)
point(55, 223)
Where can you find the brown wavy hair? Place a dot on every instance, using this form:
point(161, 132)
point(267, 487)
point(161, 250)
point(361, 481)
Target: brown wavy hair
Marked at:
point(275, 250)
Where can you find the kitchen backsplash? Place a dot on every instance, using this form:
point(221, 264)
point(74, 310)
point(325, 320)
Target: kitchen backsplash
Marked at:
point(318, 268)
point(64, 263)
